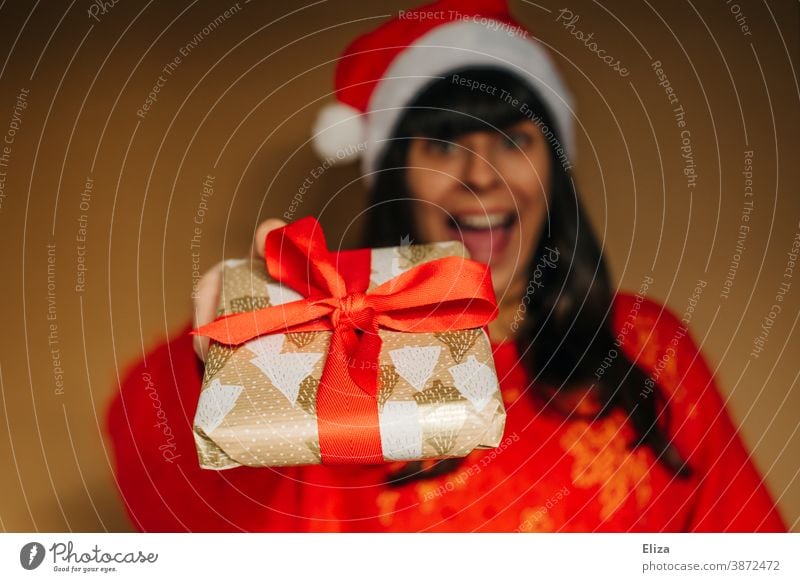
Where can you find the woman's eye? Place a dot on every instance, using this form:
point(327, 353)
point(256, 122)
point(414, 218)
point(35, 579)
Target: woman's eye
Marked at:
point(440, 146)
point(516, 140)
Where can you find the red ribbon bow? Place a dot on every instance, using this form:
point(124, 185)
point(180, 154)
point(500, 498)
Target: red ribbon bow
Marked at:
point(450, 293)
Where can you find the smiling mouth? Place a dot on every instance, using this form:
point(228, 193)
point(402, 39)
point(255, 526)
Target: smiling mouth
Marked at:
point(486, 235)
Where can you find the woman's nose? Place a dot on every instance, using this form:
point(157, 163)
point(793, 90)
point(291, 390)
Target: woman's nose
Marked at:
point(479, 172)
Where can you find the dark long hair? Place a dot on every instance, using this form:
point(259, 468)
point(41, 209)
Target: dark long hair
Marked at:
point(566, 334)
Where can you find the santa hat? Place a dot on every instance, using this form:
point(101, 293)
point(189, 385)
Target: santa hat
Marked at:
point(382, 71)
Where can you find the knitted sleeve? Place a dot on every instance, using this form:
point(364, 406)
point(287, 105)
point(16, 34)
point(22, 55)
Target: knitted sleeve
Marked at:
point(163, 488)
point(729, 493)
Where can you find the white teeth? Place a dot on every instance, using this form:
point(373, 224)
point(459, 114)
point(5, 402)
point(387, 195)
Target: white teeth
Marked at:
point(482, 220)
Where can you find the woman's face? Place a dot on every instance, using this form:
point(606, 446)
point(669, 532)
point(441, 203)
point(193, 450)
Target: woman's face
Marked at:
point(487, 190)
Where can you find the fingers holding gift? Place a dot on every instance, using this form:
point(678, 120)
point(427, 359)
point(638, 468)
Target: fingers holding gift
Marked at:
point(206, 297)
point(261, 235)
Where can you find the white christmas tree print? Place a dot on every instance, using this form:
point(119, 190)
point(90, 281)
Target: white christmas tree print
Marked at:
point(279, 294)
point(385, 265)
point(475, 381)
point(401, 433)
point(285, 371)
point(214, 404)
point(415, 365)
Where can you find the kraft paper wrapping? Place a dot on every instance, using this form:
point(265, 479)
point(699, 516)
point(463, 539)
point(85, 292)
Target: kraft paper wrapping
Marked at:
point(438, 392)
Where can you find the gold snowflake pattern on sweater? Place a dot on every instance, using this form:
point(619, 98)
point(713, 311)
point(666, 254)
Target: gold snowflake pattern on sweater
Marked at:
point(602, 459)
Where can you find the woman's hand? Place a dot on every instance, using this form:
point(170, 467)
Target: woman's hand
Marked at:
point(208, 289)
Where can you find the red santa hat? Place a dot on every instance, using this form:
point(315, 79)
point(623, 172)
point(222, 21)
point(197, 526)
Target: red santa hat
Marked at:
point(382, 71)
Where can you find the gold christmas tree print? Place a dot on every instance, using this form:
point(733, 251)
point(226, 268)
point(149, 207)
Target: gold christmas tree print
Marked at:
point(437, 393)
point(248, 303)
point(443, 412)
point(218, 355)
point(443, 442)
point(458, 342)
point(307, 396)
point(411, 254)
point(301, 338)
point(387, 380)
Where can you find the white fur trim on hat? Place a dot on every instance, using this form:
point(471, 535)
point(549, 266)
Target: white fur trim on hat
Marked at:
point(339, 132)
point(456, 45)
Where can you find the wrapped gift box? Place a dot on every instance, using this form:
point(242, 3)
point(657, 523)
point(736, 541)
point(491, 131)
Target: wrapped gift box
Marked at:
point(437, 392)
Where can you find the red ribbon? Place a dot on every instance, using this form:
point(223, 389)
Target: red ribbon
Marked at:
point(450, 293)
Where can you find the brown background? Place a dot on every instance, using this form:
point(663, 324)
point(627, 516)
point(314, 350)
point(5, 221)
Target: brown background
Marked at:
point(239, 107)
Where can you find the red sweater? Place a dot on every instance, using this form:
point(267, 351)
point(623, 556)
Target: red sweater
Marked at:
point(549, 473)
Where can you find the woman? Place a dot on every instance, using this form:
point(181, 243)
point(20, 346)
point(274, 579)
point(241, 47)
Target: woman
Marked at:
point(614, 420)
